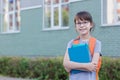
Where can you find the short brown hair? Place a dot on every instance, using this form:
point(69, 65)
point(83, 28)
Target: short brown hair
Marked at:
point(83, 15)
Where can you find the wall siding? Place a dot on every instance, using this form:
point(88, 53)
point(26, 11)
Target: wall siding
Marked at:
point(108, 35)
point(33, 41)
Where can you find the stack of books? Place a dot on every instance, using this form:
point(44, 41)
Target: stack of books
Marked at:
point(79, 53)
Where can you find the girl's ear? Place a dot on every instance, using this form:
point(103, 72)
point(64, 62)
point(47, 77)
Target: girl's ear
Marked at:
point(75, 28)
point(91, 25)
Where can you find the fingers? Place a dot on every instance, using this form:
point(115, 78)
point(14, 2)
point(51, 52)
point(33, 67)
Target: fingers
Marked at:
point(94, 67)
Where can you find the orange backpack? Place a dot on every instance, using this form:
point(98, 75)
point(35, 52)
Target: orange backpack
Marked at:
point(92, 42)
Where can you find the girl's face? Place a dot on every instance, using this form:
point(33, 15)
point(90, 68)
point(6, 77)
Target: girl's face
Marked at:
point(83, 27)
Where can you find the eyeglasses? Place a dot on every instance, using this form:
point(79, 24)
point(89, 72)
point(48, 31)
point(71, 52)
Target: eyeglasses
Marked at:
point(85, 23)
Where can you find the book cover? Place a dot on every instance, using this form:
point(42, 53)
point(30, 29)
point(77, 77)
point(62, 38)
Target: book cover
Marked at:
point(79, 53)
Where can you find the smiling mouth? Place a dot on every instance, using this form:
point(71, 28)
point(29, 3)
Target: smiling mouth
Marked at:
point(82, 29)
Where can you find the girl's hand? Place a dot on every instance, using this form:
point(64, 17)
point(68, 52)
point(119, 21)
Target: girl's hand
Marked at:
point(91, 66)
point(67, 69)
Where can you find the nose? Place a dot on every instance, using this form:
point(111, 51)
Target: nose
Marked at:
point(81, 25)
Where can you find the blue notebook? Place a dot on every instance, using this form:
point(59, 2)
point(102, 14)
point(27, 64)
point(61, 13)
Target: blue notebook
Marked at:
point(79, 53)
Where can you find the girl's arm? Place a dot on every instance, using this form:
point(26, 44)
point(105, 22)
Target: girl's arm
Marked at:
point(95, 58)
point(79, 66)
point(96, 54)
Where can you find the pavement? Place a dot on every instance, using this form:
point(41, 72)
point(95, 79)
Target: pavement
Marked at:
point(9, 78)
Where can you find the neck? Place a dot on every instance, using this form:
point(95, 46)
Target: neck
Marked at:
point(85, 37)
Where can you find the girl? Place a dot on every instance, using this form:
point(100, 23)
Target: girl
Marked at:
point(83, 25)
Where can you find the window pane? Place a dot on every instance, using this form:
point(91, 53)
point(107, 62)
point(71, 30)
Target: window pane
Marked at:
point(55, 1)
point(17, 21)
point(11, 21)
point(110, 12)
point(17, 15)
point(118, 10)
point(10, 5)
point(65, 15)
point(65, 0)
point(5, 7)
point(1, 6)
point(17, 4)
point(47, 17)
point(5, 23)
point(48, 2)
point(11, 16)
point(56, 15)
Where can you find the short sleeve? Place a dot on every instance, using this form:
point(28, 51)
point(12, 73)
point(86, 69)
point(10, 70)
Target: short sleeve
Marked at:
point(97, 47)
point(69, 45)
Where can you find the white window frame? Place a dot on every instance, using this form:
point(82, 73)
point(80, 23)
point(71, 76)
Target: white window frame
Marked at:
point(75, 0)
point(13, 21)
point(115, 22)
point(59, 27)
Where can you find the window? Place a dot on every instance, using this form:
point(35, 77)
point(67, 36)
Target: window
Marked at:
point(56, 14)
point(10, 16)
point(110, 12)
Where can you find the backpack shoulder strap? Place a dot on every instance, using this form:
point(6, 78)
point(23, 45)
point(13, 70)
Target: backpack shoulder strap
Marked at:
point(76, 41)
point(92, 42)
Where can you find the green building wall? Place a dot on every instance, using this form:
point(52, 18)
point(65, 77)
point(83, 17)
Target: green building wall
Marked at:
point(108, 35)
point(33, 41)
